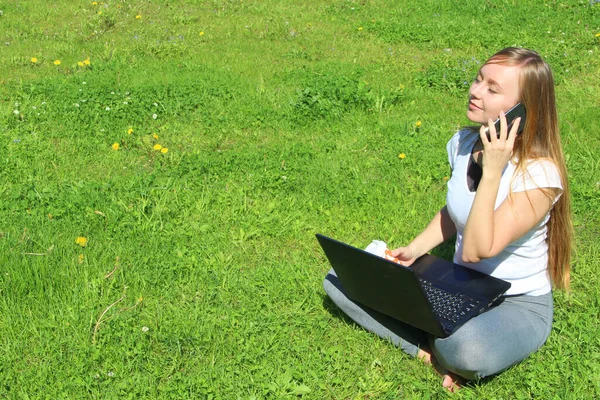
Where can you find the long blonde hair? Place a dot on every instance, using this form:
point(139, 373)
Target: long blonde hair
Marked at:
point(541, 139)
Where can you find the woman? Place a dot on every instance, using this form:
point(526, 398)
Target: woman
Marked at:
point(508, 205)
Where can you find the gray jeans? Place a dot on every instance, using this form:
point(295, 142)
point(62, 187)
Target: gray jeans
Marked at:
point(484, 346)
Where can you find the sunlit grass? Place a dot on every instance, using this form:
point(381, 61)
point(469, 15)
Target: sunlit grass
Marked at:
point(161, 188)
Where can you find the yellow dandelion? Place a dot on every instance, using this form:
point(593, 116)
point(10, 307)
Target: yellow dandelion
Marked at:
point(164, 150)
point(56, 62)
point(130, 131)
point(82, 241)
point(86, 61)
point(115, 146)
point(598, 34)
point(417, 124)
point(157, 147)
point(402, 156)
point(80, 63)
point(155, 136)
point(360, 28)
point(94, 3)
point(99, 12)
point(138, 16)
point(202, 33)
point(34, 60)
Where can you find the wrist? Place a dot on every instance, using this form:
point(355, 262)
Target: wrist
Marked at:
point(415, 250)
point(490, 174)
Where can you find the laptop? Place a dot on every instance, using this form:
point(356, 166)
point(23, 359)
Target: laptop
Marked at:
point(433, 294)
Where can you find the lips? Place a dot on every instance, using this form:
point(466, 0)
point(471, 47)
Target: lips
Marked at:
point(473, 106)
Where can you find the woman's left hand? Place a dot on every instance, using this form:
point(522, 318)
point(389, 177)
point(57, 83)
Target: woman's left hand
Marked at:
point(498, 149)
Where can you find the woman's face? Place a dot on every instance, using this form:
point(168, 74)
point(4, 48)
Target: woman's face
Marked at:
point(495, 89)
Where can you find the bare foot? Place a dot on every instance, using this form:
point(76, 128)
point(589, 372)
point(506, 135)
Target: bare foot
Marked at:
point(424, 356)
point(449, 381)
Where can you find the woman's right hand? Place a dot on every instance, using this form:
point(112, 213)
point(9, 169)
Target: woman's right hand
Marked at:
point(440, 229)
point(406, 255)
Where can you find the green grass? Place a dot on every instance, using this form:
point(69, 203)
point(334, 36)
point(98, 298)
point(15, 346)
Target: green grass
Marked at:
point(281, 120)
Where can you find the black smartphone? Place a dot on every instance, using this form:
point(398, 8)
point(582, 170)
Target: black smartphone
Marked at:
point(515, 112)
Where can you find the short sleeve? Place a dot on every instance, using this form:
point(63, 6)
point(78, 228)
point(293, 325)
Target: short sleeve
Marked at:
point(452, 149)
point(539, 174)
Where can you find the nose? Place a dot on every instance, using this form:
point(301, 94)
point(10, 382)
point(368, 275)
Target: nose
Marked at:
point(475, 90)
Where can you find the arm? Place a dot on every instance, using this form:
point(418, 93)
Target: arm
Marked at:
point(438, 231)
point(488, 231)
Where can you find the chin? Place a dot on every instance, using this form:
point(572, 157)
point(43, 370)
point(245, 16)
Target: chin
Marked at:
point(473, 118)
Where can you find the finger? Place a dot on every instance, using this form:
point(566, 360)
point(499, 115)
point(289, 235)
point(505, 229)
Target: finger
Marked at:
point(503, 126)
point(405, 263)
point(515, 127)
point(488, 131)
point(484, 133)
point(493, 132)
point(512, 135)
point(402, 253)
point(397, 252)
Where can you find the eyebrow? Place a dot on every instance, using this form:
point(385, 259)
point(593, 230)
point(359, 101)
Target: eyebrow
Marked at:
point(491, 81)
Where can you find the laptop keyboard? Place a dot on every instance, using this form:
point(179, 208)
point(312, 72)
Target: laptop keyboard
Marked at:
point(449, 306)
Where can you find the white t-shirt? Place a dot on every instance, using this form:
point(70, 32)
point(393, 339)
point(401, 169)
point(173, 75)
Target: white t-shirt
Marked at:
point(524, 262)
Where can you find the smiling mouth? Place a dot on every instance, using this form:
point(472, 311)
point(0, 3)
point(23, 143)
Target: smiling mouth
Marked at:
point(473, 106)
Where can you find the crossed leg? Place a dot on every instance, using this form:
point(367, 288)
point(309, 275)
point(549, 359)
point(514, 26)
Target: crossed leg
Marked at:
point(450, 381)
point(484, 346)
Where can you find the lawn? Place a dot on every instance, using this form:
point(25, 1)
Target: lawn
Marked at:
point(165, 165)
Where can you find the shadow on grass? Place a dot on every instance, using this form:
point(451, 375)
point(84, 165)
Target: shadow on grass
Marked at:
point(381, 324)
point(410, 334)
point(390, 324)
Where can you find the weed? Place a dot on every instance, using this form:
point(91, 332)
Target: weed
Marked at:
point(127, 271)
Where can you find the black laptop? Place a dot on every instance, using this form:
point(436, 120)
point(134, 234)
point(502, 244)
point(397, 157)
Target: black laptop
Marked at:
point(432, 294)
